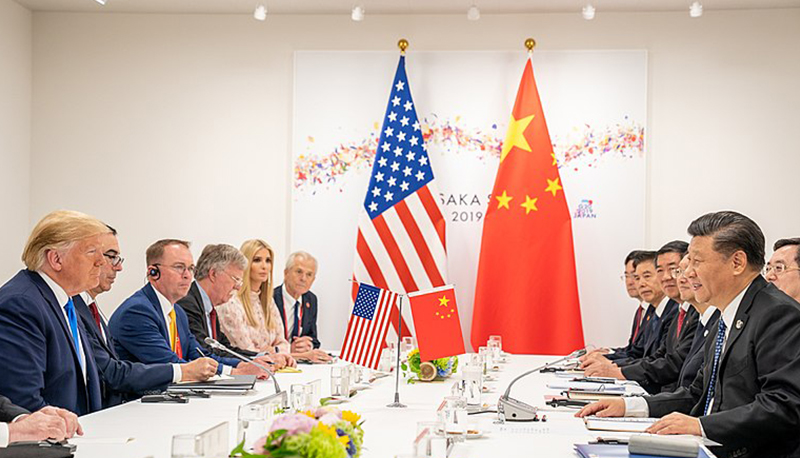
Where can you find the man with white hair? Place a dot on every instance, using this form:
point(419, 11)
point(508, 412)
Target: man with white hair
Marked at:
point(45, 352)
point(298, 305)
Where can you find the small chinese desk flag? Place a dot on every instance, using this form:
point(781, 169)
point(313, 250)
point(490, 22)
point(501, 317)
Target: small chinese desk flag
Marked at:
point(436, 323)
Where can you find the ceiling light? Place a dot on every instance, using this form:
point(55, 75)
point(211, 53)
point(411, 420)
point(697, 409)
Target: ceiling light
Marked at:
point(696, 10)
point(358, 13)
point(102, 2)
point(473, 13)
point(260, 13)
point(588, 12)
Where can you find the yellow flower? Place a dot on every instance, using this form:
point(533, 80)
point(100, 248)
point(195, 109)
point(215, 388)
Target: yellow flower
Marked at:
point(309, 413)
point(352, 417)
point(331, 431)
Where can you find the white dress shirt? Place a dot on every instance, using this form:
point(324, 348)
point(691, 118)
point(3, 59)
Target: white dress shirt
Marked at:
point(636, 406)
point(288, 310)
point(88, 299)
point(166, 307)
point(62, 298)
point(662, 306)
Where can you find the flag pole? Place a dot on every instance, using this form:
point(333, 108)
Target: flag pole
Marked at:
point(397, 402)
point(530, 43)
point(402, 44)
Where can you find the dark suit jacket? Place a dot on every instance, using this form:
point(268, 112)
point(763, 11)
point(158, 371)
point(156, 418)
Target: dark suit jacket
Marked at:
point(659, 371)
point(309, 322)
point(9, 411)
point(696, 356)
point(122, 380)
point(652, 337)
point(756, 409)
point(192, 304)
point(37, 355)
point(141, 334)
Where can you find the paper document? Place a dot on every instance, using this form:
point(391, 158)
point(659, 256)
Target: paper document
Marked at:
point(631, 425)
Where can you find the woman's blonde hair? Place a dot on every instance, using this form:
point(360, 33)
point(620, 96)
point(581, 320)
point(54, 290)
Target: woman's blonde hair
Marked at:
point(249, 250)
point(58, 230)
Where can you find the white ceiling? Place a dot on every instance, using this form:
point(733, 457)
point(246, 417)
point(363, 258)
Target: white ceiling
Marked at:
point(391, 6)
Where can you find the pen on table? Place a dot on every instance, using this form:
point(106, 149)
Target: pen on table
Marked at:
point(201, 353)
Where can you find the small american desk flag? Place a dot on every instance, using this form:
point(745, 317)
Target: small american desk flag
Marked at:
point(401, 230)
point(368, 325)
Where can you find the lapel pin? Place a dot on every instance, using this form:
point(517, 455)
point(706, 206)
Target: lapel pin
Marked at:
point(705, 333)
point(739, 324)
point(308, 306)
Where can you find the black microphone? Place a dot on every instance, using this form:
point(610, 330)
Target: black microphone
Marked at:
point(214, 344)
point(510, 409)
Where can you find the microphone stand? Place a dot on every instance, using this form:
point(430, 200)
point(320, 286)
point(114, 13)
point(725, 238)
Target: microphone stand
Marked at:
point(510, 409)
point(397, 402)
point(214, 344)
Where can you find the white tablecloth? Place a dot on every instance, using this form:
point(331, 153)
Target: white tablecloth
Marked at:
point(388, 432)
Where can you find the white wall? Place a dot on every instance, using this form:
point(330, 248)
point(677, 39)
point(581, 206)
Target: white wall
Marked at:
point(179, 125)
point(16, 39)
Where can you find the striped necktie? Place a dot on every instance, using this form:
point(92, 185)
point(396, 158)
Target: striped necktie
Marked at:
point(717, 352)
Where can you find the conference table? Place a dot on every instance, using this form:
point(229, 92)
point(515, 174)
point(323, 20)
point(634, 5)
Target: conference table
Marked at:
point(139, 430)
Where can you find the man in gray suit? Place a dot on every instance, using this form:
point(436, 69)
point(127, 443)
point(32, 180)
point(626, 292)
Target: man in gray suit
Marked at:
point(747, 395)
point(17, 424)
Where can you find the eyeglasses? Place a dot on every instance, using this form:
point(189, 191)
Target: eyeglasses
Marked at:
point(625, 277)
point(114, 259)
point(236, 280)
point(675, 272)
point(180, 269)
point(778, 269)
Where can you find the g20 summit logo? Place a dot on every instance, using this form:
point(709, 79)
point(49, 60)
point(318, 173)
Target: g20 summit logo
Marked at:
point(584, 210)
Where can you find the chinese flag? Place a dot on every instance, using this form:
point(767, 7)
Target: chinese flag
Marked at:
point(526, 289)
point(436, 323)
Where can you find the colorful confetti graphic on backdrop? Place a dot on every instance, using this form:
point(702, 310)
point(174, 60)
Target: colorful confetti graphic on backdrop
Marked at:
point(584, 146)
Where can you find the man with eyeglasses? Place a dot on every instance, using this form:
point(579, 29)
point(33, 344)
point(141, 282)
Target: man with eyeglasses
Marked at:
point(746, 396)
point(218, 276)
point(150, 328)
point(124, 380)
point(659, 370)
point(783, 268)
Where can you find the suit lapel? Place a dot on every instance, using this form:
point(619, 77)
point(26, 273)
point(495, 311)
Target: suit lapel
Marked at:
point(740, 320)
point(50, 297)
point(150, 293)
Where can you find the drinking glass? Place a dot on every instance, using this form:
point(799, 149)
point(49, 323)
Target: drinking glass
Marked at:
point(253, 424)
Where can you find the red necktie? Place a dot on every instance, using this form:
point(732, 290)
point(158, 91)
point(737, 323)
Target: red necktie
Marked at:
point(638, 322)
point(681, 316)
point(213, 318)
point(96, 315)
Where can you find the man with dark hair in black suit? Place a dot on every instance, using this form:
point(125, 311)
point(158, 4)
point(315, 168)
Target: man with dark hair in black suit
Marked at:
point(747, 395)
point(783, 268)
point(660, 370)
point(17, 424)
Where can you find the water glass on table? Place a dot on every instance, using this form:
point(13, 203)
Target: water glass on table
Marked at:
point(430, 441)
point(473, 384)
point(496, 348)
point(254, 421)
point(340, 381)
point(453, 414)
point(488, 359)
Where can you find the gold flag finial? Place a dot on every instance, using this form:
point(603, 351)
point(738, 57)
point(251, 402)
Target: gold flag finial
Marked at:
point(530, 43)
point(402, 44)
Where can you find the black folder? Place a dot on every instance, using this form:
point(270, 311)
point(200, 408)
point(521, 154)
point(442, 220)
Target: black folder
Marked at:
point(238, 383)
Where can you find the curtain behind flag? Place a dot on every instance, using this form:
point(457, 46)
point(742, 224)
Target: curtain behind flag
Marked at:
point(526, 290)
point(401, 230)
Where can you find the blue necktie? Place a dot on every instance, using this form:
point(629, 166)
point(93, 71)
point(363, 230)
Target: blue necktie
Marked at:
point(296, 328)
point(73, 326)
point(717, 351)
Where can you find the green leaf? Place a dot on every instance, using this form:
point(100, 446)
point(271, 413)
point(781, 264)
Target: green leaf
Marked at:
point(324, 401)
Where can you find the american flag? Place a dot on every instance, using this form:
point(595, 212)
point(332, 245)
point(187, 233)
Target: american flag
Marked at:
point(369, 323)
point(401, 230)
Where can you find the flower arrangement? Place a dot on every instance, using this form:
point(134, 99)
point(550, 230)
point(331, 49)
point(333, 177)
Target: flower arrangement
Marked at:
point(325, 432)
point(429, 370)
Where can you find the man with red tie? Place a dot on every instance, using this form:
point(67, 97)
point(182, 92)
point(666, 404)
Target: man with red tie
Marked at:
point(220, 268)
point(660, 371)
point(122, 380)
